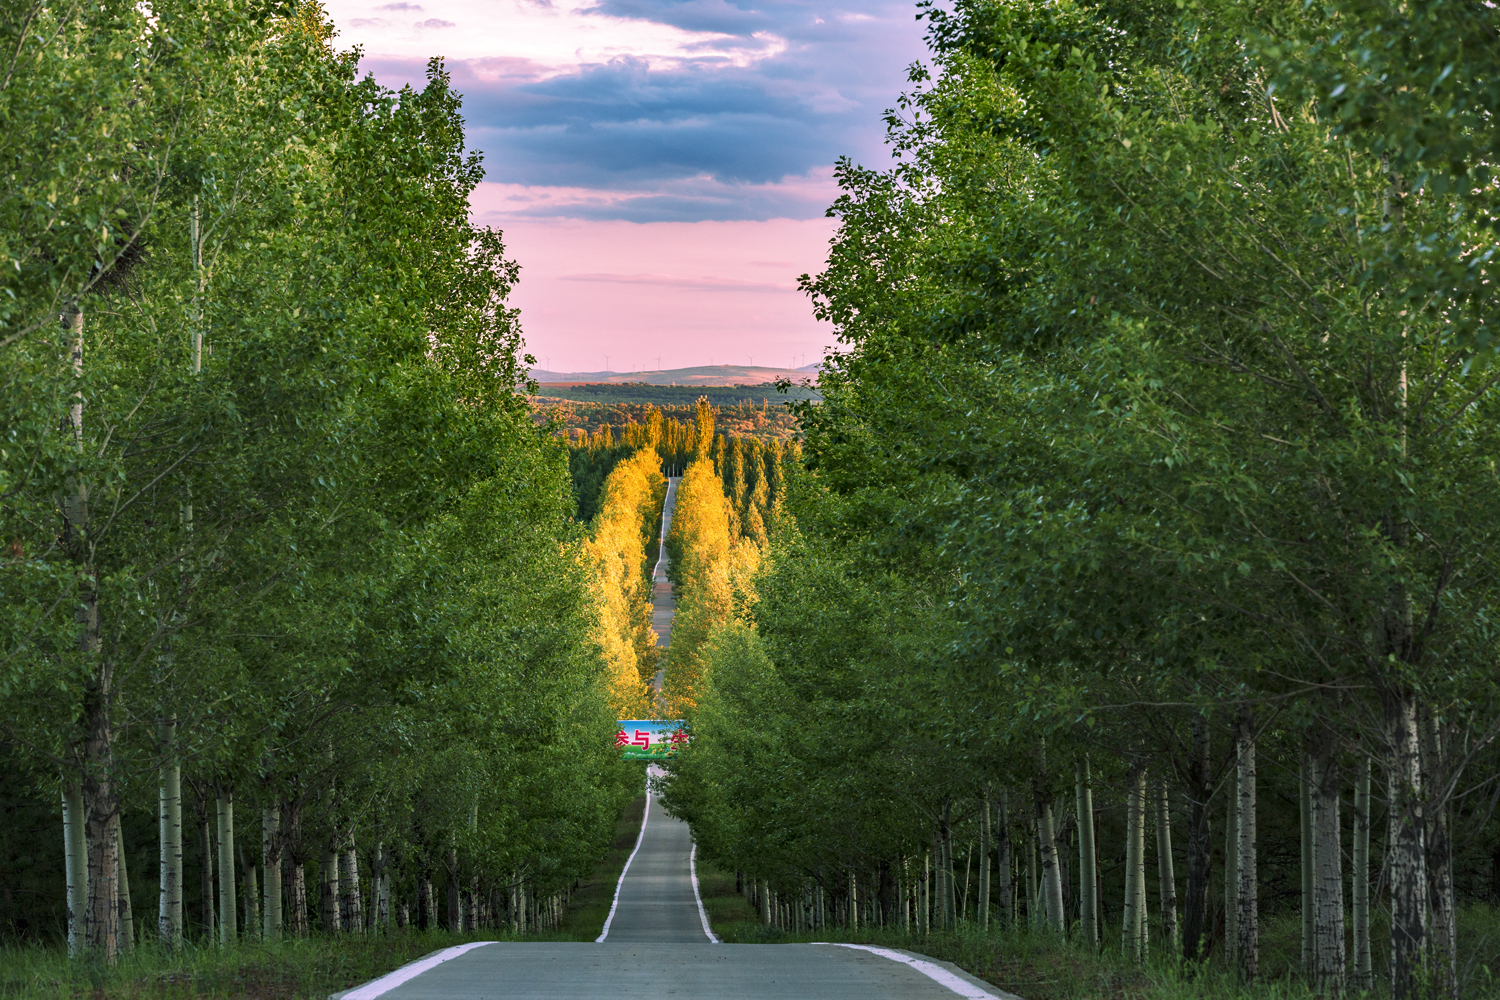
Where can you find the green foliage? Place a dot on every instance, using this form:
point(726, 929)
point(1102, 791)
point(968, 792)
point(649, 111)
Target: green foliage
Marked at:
point(274, 476)
point(1165, 399)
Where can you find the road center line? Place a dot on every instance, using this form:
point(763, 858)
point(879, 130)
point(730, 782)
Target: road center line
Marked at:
point(702, 915)
point(612, 906)
point(937, 973)
point(389, 981)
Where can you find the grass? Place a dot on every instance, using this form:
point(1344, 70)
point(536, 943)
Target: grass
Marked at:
point(724, 906)
point(1035, 966)
point(299, 969)
point(1041, 966)
point(294, 969)
point(590, 902)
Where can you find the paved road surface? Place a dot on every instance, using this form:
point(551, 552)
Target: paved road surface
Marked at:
point(655, 945)
point(656, 942)
point(663, 604)
point(657, 900)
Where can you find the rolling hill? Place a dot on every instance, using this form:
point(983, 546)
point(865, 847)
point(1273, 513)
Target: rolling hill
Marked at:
point(704, 375)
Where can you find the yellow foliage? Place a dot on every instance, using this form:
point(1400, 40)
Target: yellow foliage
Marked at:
point(630, 504)
point(708, 565)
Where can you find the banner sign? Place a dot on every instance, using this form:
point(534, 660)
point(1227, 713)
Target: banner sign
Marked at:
point(650, 739)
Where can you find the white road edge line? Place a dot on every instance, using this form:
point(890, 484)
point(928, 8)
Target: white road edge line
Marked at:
point(638, 838)
point(389, 981)
point(697, 897)
point(962, 987)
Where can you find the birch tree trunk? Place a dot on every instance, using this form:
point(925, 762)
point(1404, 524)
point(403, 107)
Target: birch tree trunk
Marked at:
point(251, 901)
point(296, 859)
point(270, 854)
point(100, 798)
point(330, 891)
point(1004, 862)
point(1435, 780)
point(127, 911)
point(169, 836)
point(1033, 892)
point(984, 860)
point(1052, 899)
point(853, 902)
point(455, 911)
point(1406, 847)
point(1362, 978)
point(1165, 876)
point(924, 893)
point(1232, 867)
point(1199, 844)
point(102, 823)
point(206, 868)
point(228, 906)
point(76, 862)
point(1088, 898)
point(1328, 872)
point(351, 909)
point(1304, 815)
point(382, 915)
point(950, 884)
point(1247, 945)
point(1130, 915)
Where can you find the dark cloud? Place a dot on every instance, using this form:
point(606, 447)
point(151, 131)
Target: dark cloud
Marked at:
point(623, 126)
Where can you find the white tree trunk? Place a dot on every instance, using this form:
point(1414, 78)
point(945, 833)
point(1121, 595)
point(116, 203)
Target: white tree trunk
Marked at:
point(1444, 916)
point(1088, 898)
point(351, 907)
point(924, 896)
point(207, 861)
point(1406, 849)
point(1033, 891)
point(1328, 871)
point(75, 857)
point(1004, 863)
point(1130, 914)
point(127, 911)
point(1166, 877)
point(1362, 978)
point(228, 904)
point(330, 893)
point(270, 856)
point(1305, 816)
point(853, 902)
point(1232, 870)
point(984, 860)
point(169, 836)
point(1247, 947)
point(1052, 897)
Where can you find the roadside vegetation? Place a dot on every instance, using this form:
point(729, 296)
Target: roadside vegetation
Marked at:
point(300, 642)
point(1131, 608)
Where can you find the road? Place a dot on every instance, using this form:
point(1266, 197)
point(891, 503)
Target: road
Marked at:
point(657, 941)
point(663, 604)
point(656, 945)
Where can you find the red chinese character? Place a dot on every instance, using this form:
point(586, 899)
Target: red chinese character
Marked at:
point(642, 738)
point(621, 740)
point(679, 738)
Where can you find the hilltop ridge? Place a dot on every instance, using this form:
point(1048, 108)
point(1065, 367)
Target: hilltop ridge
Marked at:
point(701, 375)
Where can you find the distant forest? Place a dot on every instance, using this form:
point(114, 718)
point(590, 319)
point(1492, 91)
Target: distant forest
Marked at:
point(766, 421)
point(748, 463)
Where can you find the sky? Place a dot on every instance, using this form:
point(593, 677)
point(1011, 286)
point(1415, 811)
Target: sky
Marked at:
point(660, 168)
